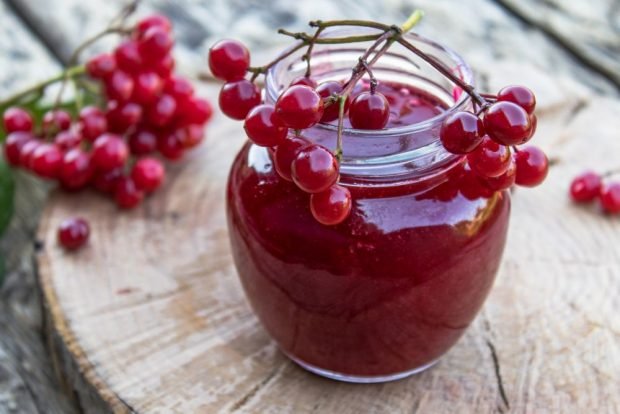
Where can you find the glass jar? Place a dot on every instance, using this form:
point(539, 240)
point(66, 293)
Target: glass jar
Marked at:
point(385, 293)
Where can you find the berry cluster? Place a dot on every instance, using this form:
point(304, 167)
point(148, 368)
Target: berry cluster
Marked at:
point(590, 186)
point(486, 138)
point(148, 109)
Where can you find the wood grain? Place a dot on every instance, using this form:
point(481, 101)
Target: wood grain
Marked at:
point(151, 318)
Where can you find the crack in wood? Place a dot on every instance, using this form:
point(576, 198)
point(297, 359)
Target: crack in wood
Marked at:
point(498, 374)
point(243, 401)
point(606, 73)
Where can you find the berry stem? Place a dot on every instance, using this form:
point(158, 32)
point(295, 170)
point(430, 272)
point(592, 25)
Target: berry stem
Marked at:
point(360, 23)
point(341, 104)
point(308, 54)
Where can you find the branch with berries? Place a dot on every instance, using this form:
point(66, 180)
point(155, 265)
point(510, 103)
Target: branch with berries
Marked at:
point(486, 138)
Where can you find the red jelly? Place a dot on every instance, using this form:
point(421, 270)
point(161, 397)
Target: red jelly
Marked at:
point(388, 291)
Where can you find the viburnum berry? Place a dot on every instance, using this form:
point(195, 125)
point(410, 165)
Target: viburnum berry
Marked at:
point(17, 119)
point(66, 140)
point(142, 141)
point(13, 146)
point(191, 135)
point(46, 160)
point(170, 145)
point(369, 111)
point(126, 194)
point(304, 80)
point(162, 111)
point(299, 107)
point(26, 152)
point(332, 206)
point(119, 86)
point(507, 123)
point(148, 174)
point(73, 233)
point(610, 198)
point(238, 98)
point(128, 56)
point(519, 95)
point(314, 169)
point(326, 90)
point(472, 186)
point(109, 152)
point(229, 60)
point(285, 153)
point(76, 169)
point(489, 159)
point(532, 166)
point(101, 66)
point(586, 187)
point(179, 88)
point(196, 111)
point(263, 127)
point(461, 132)
point(122, 116)
point(92, 123)
point(147, 87)
point(163, 67)
point(155, 44)
point(56, 120)
point(106, 181)
point(155, 20)
point(504, 181)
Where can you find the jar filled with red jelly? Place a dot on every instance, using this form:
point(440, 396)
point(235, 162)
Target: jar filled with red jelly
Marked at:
point(392, 288)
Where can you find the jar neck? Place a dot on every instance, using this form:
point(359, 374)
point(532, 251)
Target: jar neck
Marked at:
point(404, 152)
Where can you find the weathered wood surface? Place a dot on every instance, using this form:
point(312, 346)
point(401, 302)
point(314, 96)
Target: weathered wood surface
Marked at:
point(188, 341)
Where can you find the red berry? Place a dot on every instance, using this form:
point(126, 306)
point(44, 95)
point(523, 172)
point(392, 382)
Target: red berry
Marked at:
point(67, 139)
point(147, 87)
point(92, 123)
point(17, 119)
point(46, 160)
point(109, 152)
point(369, 111)
point(142, 142)
point(507, 123)
point(490, 159)
point(532, 166)
point(229, 60)
point(610, 198)
point(519, 95)
point(238, 98)
point(263, 128)
point(504, 181)
point(128, 56)
point(122, 116)
point(155, 44)
point(54, 121)
point(155, 20)
point(73, 233)
point(101, 66)
point(314, 169)
point(179, 88)
point(26, 152)
point(586, 187)
point(331, 206)
point(170, 146)
point(285, 153)
point(106, 181)
point(304, 80)
point(191, 135)
point(196, 111)
point(163, 67)
point(461, 132)
point(13, 146)
point(127, 194)
point(119, 86)
point(327, 89)
point(299, 107)
point(148, 174)
point(76, 169)
point(472, 186)
point(162, 111)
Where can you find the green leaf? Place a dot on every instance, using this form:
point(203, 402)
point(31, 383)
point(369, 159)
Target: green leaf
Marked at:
point(7, 191)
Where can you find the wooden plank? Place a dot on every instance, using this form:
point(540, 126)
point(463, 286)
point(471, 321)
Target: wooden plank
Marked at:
point(27, 381)
point(179, 325)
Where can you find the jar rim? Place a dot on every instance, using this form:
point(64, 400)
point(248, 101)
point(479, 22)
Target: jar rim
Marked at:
point(464, 70)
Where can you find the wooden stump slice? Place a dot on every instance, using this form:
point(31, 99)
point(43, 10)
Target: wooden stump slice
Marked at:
point(150, 316)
